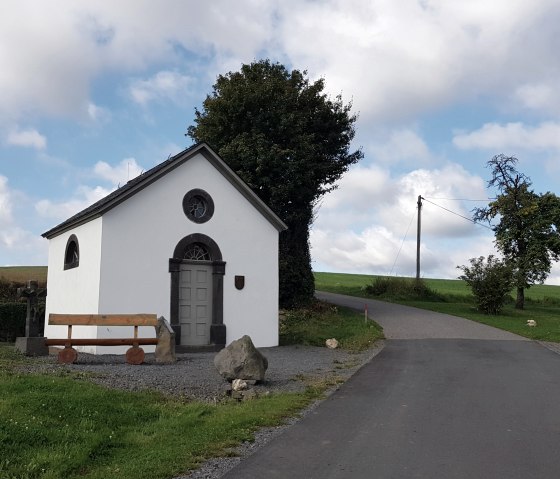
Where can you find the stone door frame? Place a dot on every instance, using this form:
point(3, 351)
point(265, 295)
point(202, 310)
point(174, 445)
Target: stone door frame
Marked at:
point(217, 327)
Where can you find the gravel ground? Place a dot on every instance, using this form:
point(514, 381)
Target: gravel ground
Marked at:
point(193, 376)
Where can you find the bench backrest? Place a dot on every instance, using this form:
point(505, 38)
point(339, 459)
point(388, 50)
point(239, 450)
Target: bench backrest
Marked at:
point(103, 319)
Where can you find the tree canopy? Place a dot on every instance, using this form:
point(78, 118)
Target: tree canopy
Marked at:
point(289, 142)
point(528, 228)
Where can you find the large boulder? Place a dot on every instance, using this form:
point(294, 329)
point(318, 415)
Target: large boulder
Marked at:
point(241, 360)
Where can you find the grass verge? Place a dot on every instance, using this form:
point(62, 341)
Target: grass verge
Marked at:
point(52, 427)
point(62, 425)
point(454, 297)
point(313, 325)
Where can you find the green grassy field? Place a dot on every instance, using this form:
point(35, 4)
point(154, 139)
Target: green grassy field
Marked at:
point(21, 274)
point(542, 303)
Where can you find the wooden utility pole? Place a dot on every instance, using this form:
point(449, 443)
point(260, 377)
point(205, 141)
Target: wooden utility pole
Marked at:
point(418, 229)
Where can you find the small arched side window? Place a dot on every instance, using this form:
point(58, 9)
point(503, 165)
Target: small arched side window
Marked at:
point(72, 254)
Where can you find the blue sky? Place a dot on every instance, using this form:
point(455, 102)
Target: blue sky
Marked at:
point(94, 92)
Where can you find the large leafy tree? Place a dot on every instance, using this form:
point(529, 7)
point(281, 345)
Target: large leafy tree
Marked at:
point(528, 229)
point(289, 142)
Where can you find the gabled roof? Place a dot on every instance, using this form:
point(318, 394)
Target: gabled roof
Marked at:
point(145, 179)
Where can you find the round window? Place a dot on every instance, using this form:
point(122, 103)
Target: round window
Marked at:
point(198, 206)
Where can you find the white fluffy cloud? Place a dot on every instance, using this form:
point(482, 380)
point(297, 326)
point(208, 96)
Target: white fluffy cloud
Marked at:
point(403, 146)
point(393, 58)
point(494, 136)
point(49, 66)
point(27, 138)
point(84, 196)
point(370, 221)
point(126, 170)
point(539, 96)
point(398, 58)
point(163, 85)
point(375, 250)
point(14, 239)
point(5, 202)
point(97, 113)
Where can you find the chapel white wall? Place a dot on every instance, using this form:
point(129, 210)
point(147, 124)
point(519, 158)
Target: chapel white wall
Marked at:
point(75, 290)
point(140, 235)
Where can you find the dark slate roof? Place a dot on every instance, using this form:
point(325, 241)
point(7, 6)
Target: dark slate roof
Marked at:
point(145, 179)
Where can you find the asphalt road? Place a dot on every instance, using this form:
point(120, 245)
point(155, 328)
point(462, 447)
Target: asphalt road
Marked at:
point(446, 398)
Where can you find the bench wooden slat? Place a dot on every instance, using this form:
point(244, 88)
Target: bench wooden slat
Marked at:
point(101, 341)
point(103, 319)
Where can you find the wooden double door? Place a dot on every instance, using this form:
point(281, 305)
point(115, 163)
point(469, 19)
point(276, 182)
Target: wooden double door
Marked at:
point(195, 303)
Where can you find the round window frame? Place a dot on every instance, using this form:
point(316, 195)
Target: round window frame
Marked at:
point(208, 213)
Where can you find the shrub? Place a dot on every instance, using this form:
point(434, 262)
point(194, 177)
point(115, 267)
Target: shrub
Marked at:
point(491, 282)
point(12, 320)
point(8, 291)
point(401, 288)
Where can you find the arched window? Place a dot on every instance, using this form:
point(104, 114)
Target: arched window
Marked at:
point(72, 254)
point(197, 252)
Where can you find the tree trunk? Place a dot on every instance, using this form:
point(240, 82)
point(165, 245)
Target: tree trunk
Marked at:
point(520, 301)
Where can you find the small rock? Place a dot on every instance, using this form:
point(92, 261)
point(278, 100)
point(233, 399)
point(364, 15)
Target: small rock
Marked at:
point(165, 349)
point(331, 343)
point(250, 394)
point(237, 395)
point(531, 322)
point(238, 385)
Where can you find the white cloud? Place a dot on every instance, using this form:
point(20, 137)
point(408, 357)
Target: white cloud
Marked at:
point(5, 202)
point(447, 192)
point(554, 277)
point(363, 225)
point(538, 96)
point(400, 146)
point(49, 66)
point(374, 250)
point(17, 245)
point(511, 135)
point(398, 58)
point(163, 85)
point(26, 138)
point(84, 196)
point(126, 170)
point(370, 194)
point(393, 58)
point(97, 113)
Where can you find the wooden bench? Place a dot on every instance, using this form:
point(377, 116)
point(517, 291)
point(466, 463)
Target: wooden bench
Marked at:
point(134, 355)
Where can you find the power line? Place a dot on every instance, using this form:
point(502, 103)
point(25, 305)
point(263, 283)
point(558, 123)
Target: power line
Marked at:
point(402, 242)
point(457, 214)
point(460, 199)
